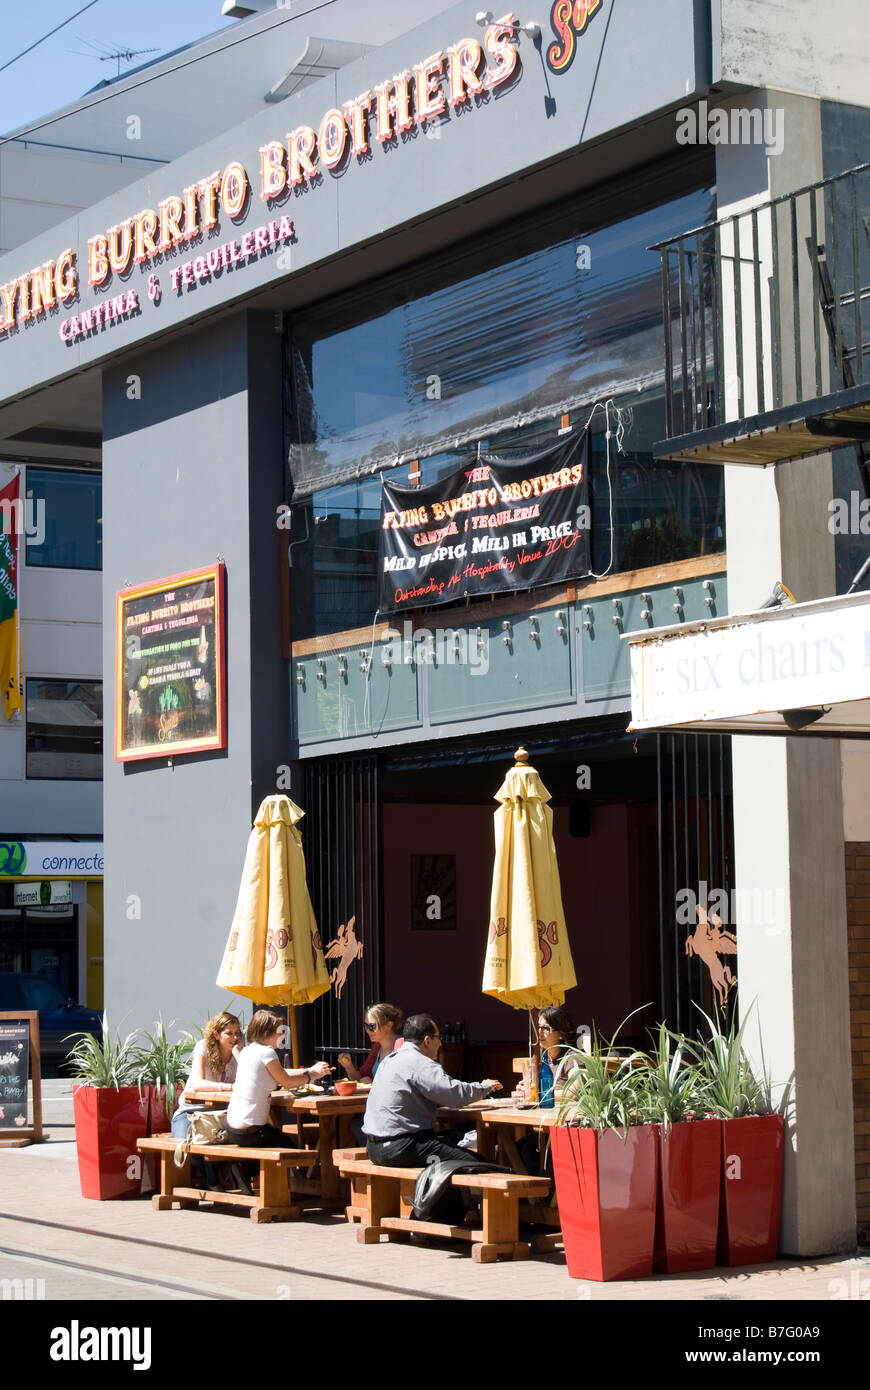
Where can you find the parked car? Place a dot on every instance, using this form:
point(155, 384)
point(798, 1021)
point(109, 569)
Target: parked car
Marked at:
point(58, 1016)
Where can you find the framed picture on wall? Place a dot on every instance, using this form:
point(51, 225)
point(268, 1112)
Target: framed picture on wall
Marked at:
point(433, 892)
point(170, 671)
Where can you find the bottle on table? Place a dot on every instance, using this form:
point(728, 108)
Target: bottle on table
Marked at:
point(546, 1093)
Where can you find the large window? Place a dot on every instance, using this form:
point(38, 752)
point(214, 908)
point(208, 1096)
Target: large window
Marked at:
point(500, 335)
point(64, 518)
point(64, 729)
point(486, 353)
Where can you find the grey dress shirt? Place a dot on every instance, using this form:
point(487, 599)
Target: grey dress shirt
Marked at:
point(407, 1091)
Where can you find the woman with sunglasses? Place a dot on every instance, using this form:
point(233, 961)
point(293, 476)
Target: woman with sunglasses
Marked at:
point(557, 1054)
point(383, 1024)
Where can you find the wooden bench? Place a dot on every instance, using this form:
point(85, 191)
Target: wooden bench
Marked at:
point(273, 1200)
point(382, 1200)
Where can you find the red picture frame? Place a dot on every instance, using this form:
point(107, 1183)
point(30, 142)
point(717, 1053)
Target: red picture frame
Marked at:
point(170, 666)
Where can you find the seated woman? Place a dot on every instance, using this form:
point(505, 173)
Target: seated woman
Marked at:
point(557, 1054)
point(259, 1072)
point(213, 1065)
point(383, 1023)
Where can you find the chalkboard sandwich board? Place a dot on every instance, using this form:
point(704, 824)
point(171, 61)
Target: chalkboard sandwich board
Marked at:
point(19, 1054)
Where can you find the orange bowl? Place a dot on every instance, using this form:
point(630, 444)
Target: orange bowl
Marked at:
point(345, 1088)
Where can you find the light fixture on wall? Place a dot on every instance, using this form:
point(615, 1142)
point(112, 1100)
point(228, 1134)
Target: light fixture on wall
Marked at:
point(780, 597)
point(531, 30)
point(797, 719)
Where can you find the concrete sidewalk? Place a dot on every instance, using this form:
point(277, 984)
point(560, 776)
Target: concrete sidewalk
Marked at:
point(83, 1249)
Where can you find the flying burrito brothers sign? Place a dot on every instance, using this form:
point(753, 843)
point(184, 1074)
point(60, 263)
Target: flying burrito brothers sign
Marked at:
point(487, 529)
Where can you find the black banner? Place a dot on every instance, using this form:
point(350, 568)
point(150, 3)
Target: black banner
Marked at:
point(487, 529)
point(14, 1059)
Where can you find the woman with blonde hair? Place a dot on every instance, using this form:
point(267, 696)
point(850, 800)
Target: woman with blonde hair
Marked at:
point(383, 1025)
point(213, 1065)
point(259, 1073)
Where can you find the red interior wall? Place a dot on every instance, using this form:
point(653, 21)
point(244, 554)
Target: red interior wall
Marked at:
point(440, 971)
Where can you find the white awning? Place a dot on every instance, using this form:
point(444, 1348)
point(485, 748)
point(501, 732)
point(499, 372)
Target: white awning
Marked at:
point(803, 669)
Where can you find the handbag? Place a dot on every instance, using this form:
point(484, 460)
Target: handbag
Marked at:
point(206, 1127)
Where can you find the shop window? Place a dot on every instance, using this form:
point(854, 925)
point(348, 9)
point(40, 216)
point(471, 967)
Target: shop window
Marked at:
point(662, 512)
point(64, 729)
point(501, 335)
point(65, 520)
point(488, 352)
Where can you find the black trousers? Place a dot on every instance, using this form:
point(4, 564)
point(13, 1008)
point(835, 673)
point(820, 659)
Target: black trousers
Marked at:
point(260, 1137)
point(414, 1149)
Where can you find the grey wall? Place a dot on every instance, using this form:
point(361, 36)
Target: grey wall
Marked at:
point(788, 824)
point(192, 471)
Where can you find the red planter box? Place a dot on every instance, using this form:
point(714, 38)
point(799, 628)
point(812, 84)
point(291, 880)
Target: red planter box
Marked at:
point(108, 1123)
point(158, 1119)
point(752, 1152)
point(606, 1190)
point(690, 1180)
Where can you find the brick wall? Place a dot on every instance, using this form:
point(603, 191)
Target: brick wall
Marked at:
point(858, 917)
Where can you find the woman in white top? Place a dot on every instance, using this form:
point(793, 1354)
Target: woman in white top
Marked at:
point(213, 1064)
point(259, 1072)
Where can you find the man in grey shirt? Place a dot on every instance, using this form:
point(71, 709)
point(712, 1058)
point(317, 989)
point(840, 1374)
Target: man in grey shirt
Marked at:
point(408, 1088)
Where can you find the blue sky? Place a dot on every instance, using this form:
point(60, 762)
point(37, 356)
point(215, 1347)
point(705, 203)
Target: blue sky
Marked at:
point(68, 64)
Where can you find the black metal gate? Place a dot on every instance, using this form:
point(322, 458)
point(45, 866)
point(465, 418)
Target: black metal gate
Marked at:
point(344, 856)
point(695, 860)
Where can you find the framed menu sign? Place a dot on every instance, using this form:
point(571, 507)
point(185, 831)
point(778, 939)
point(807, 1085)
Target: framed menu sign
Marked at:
point(19, 1052)
point(170, 676)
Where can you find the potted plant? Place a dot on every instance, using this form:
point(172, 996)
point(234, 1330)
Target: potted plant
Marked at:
point(110, 1114)
point(690, 1157)
point(162, 1069)
point(604, 1165)
point(752, 1147)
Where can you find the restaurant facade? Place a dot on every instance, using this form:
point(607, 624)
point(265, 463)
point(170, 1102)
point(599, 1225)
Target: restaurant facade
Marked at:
point(383, 381)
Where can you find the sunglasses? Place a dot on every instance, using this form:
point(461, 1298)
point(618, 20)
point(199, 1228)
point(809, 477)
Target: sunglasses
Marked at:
point(370, 1027)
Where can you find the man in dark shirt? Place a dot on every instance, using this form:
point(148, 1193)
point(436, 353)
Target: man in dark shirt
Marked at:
point(409, 1087)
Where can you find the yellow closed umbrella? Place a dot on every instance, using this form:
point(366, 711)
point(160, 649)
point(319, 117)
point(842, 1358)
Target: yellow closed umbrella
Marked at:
point(274, 954)
point(528, 958)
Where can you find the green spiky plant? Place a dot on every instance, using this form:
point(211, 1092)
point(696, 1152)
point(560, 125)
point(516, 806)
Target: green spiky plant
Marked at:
point(669, 1082)
point(727, 1083)
point(599, 1094)
point(103, 1061)
point(164, 1063)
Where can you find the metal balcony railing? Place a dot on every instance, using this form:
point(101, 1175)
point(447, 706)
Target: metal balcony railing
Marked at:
point(770, 307)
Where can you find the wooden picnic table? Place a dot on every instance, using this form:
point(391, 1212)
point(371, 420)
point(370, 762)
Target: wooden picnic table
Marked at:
point(498, 1129)
point(332, 1116)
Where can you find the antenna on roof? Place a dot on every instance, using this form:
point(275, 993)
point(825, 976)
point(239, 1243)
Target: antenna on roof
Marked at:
point(104, 54)
point(126, 55)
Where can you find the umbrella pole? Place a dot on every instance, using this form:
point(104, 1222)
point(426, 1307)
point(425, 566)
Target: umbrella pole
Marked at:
point(294, 1037)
